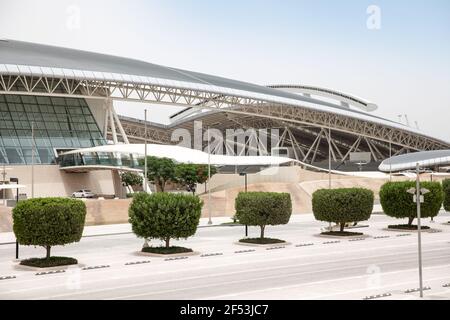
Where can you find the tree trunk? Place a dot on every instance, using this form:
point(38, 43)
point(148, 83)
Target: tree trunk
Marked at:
point(162, 185)
point(410, 221)
point(342, 226)
point(48, 252)
point(262, 231)
point(167, 243)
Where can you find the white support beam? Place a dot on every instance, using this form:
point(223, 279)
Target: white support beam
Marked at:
point(117, 120)
point(262, 107)
point(112, 125)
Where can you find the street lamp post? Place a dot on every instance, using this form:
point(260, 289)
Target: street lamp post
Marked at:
point(209, 180)
point(245, 175)
point(145, 151)
point(16, 180)
point(146, 245)
point(32, 159)
point(390, 161)
point(329, 158)
point(419, 229)
point(419, 198)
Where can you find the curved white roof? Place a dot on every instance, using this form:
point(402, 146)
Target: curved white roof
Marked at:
point(185, 155)
point(345, 98)
point(410, 160)
point(29, 59)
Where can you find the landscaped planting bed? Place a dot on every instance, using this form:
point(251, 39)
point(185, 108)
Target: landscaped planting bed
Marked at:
point(342, 206)
point(408, 227)
point(49, 262)
point(342, 234)
point(262, 241)
point(263, 209)
point(164, 250)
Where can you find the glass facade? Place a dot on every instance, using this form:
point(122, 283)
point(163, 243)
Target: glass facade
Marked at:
point(58, 123)
point(100, 159)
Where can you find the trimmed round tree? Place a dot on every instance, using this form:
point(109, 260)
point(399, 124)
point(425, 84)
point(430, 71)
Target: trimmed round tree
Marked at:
point(131, 179)
point(263, 209)
point(164, 216)
point(342, 205)
point(446, 187)
point(398, 203)
point(49, 222)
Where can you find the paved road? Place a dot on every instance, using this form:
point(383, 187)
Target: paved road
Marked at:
point(344, 270)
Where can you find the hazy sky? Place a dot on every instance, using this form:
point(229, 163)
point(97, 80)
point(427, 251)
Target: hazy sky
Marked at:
point(404, 66)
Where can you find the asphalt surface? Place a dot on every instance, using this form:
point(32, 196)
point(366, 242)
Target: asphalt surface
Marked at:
point(310, 267)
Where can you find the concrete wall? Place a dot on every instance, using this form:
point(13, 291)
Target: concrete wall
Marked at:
point(98, 212)
point(299, 183)
point(294, 174)
point(50, 181)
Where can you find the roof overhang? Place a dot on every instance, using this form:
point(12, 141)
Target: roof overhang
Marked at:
point(83, 74)
point(183, 155)
point(409, 161)
point(11, 186)
point(88, 168)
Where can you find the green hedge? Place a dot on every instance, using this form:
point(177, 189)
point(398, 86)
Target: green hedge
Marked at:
point(131, 178)
point(263, 208)
point(342, 205)
point(398, 203)
point(446, 187)
point(49, 222)
point(165, 216)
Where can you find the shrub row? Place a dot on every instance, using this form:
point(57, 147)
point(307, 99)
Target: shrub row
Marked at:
point(263, 209)
point(49, 222)
point(165, 215)
point(342, 205)
point(398, 203)
point(58, 221)
point(446, 187)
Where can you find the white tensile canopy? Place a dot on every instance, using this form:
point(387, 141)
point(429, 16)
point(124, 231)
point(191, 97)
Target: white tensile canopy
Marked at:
point(185, 155)
point(11, 186)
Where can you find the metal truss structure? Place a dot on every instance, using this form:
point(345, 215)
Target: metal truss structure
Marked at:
point(376, 134)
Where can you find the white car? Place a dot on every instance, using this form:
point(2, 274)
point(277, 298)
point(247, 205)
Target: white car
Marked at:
point(83, 194)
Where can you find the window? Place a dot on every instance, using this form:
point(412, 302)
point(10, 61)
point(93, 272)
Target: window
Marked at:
point(58, 123)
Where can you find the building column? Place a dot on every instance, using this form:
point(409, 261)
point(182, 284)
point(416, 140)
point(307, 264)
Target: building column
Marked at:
point(118, 188)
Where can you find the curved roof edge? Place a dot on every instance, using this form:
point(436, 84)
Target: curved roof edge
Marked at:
point(184, 155)
point(36, 60)
point(410, 160)
point(344, 98)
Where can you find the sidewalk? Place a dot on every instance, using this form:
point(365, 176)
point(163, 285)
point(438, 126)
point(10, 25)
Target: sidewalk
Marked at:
point(111, 229)
point(104, 230)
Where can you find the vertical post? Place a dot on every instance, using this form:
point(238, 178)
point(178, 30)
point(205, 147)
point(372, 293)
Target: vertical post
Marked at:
point(32, 159)
point(419, 229)
point(17, 201)
point(246, 226)
point(112, 124)
point(390, 162)
point(105, 125)
point(329, 158)
point(330, 228)
point(4, 181)
point(145, 151)
point(246, 182)
point(146, 245)
point(209, 180)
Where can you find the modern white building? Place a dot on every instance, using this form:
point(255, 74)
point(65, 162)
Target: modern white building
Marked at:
point(57, 101)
